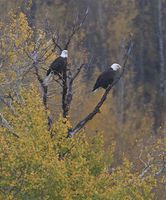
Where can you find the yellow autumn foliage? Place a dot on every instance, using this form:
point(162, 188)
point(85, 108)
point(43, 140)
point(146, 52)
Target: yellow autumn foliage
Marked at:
point(38, 165)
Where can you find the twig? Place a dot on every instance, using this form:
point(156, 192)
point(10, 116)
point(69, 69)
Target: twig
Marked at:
point(56, 44)
point(57, 80)
point(76, 28)
point(77, 72)
point(145, 170)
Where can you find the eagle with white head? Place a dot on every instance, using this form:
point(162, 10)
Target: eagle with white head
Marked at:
point(106, 78)
point(57, 67)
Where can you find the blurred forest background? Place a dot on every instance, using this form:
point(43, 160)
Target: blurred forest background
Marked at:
point(134, 115)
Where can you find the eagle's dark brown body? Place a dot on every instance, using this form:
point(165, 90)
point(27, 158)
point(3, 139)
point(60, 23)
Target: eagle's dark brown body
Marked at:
point(57, 66)
point(106, 78)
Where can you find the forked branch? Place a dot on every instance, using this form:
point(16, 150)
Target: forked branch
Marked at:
point(69, 92)
point(56, 44)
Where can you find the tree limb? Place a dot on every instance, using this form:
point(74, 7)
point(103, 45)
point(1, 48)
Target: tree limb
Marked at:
point(76, 27)
point(5, 123)
point(44, 88)
point(96, 110)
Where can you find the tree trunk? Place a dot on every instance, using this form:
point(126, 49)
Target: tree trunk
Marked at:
point(141, 58)
point(160, 98)
point(161, 48)
point(65, 106)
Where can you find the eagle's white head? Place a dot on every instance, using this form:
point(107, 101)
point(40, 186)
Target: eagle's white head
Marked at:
point(64, 54)
point(115, 66)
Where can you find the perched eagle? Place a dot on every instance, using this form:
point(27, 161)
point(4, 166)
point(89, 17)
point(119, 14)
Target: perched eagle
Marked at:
point(107, 77)
point(57, 67)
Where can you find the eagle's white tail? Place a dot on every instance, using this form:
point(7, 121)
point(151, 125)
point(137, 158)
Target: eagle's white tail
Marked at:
point(47, 79)
point(94, 91)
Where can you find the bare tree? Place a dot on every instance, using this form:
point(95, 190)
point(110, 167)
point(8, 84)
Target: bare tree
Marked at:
point(68, 76)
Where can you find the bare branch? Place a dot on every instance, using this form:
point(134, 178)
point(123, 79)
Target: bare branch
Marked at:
point(77, 72)
point(96, 110)
point(44, 88)
point(54, 38)
point(76, 28)
point(145, 170)
point(5, 123)
point(44, 55)
point(57, 80)
point(155, 162)
point(26, 72)
point(8, 103)
point(56, 44)
point(140, 158)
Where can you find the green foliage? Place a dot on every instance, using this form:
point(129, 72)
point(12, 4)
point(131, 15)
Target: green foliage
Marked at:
point(38, 166)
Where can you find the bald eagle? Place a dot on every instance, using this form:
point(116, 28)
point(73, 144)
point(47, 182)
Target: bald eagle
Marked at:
point(106, 78)
point(57, 67)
